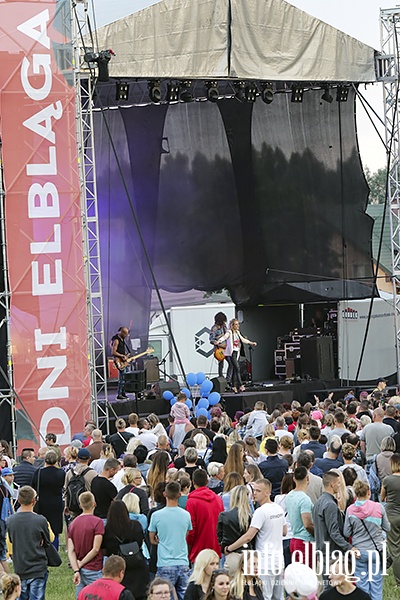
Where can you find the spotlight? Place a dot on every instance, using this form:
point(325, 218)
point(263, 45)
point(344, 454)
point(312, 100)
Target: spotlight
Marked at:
point(172, 92)
point(267, 93)
point(297, 93)
point(250, 92)
point(122, 91)
point(240, 91)
point(212, 91)
point(155, 91)
point(342, 93)
point(186, 94)
point(326, 96)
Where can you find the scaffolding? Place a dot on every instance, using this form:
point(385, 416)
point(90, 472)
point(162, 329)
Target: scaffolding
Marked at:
point(388, 72)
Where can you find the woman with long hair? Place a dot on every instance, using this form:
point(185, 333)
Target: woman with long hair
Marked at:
point(131, 502)
point(268, 433)
point(132, 480)
point(158, 469)
point(251, 451)
point(231, 481)
point(107, 451)
point(156, 426)
point(235, 460)
point(250, 475)
point(234, 340)
point(201, 444)
point(247, 587)
point(121, 529)
point(233, 523)
point(390, 493)
point(205, 563)
point(218, 588)
point(219, 453)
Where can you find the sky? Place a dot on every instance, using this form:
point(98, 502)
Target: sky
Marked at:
point(359, 18)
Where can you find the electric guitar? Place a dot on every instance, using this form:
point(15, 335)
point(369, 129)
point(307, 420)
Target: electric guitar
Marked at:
point(219, 354)
point(121, 363)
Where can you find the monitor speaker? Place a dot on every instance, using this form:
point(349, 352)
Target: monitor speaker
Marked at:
point(219, 384)
point(152, 370)
point(135, 381)
point(317, 357)
point(163, 386)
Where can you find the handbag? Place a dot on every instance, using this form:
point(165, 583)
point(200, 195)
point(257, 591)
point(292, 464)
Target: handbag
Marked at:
point(53, 558)
point(389, 559)
point(131, 553)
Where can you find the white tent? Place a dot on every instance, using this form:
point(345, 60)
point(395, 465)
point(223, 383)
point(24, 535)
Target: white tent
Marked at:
point(245, 39)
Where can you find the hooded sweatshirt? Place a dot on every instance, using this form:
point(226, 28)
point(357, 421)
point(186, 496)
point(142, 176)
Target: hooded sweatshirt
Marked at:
point(374, 516)
point(204, 507)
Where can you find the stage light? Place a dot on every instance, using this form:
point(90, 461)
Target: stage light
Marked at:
point(122, 91)
point(186, 94)
point(326, 96)
point(250, 92)
point(342, 93)
point(240, 91)
point(155, 91)
point(172, 92)
point(212, 91)
point(267, 93)
point(297, 93)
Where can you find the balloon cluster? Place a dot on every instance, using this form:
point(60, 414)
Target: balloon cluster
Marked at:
point(207, 397)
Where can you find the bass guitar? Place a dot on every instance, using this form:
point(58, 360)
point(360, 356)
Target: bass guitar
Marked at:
point(122, 363)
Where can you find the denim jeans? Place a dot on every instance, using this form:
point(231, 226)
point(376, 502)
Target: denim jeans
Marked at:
point(369, 582)
point(121, 382)
point(34, 589)
point(87, 577)
point(178, 576)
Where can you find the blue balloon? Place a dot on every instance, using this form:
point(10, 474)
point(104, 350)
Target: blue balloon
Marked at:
point(191, 379)
point(202, 403)
point(201, 411)
point(189, 403)
point(173, 401)
point(206, 387)
point(200, 377)
point(186, 391)
point(214, 398)
point(167, 395)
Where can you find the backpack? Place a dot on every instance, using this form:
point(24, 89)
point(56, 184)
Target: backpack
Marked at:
point(374, 482)
point(6, 507)
point(76, 486)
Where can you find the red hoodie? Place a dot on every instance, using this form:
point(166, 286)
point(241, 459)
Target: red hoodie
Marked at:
point(204, 507)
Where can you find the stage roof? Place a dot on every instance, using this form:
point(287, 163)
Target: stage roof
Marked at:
point(267, 40)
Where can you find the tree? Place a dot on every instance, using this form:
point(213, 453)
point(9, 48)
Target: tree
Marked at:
point(377, 185)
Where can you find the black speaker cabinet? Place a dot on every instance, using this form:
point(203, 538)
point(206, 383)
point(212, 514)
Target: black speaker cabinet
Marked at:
point(135, 381)
point(317, 358)
point(162, 386)
point(219, 384)
point(152, 370)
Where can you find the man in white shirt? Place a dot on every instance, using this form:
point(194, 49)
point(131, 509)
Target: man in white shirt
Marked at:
point(133, 425)
point(269, 525)
point(147, 438)
point(281, 428)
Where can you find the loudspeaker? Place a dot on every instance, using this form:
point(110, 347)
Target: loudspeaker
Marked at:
point(135, 381)
point(152, 370)
point(162, 386)
point(317, 357)
point(219, 384)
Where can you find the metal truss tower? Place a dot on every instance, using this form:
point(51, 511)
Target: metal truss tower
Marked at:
point(388, 72)
point(90, 224)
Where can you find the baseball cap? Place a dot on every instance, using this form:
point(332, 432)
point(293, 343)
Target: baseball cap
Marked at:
point(83, 453)
point(381, 380)
point(7, 471)
point(76, 444)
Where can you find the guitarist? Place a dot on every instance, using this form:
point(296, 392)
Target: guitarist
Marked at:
point(121, 350)
point(218, 330)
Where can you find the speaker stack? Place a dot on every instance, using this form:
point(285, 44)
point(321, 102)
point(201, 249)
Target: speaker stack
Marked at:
point(135, 382)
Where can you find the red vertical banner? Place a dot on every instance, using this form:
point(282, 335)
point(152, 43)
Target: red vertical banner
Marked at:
point(43, 220)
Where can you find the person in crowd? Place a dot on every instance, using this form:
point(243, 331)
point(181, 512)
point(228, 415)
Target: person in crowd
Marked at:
point(180, 462)
point(85, 536)
point(230, 482)
point(281, 428)
point(159, 589)
point(342, 586)
point(147, 438)
point(372, 435)
point(82, 469)
point(234, 341)
point(128, 462)
point(300, 582)
point(235, 460)
point(29, 534)
point(70, 458)
point(389, 419)
point(49, 484)
point(388, 448)
point(51, 442)
point(24, 471)
point(132, 480)
point(216, 472)
point(365, 523)
point(218, 330)
point(268, 433)
point(96, 446)
point(120, 529)
point(82, 436)
point(131, 502)
point(332, 459)
point(273, 468)
point(218, 588)
point(339, 427)
point(168, 529)
point(103, 490)
point(268, 527)
point(142, 464)
point(218, 452)
point(257, 421)
point(201, 441)
point(11, 586)
point(39, 460)
point(110, 584)
point(348, 454)
point(360, 458)
point(314, 444)
point(161, 445)
point(158, 469)
point(106, 452)
point(204, 507)
point(206, 562)
point(285, 447)
point(287, 486)
point(156, 426)
point(120, 439)
point(390, 494)
point(251, 452)
point(233, 523)
point(181, 425)
point(185, 483)
point(299, 511)
point(159, 503)
point(250, 475)
point(202, 427)
point(133, 428)
point(247, 586)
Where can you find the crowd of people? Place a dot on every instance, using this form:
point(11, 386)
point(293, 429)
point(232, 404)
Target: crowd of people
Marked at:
point(243, 508)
